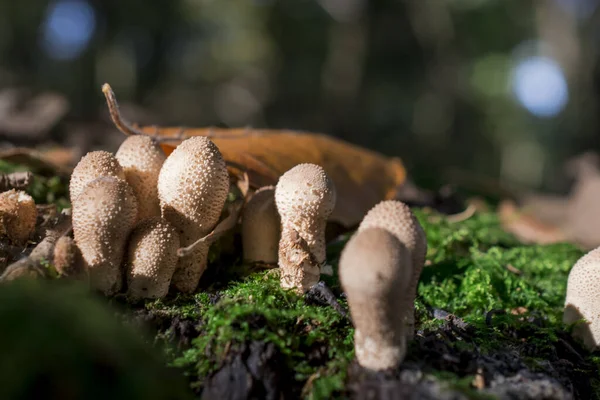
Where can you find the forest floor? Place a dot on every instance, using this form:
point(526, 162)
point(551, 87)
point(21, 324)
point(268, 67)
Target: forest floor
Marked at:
point(489, 325)
point(488, 311)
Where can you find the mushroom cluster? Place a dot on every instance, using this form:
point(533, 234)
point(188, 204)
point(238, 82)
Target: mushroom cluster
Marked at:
point(131, 212)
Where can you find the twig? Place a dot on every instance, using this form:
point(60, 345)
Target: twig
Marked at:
point(130, 130)
point(15, 180)
point(115, 115)
point(462, 216)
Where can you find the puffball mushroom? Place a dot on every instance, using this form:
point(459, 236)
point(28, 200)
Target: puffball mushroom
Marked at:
point(67, 259)
point(152, 258)
point(375, 270)
point(192, 188)
point(397, 218)
point(91, 166)
point(17, 216)
point(141, 159)
point(261, 227)
point(305, 197)
point(583, 299)
point(104, 215)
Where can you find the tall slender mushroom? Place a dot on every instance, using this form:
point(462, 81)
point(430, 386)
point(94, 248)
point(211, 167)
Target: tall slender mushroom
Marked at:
point(375, 270)
point(397, 218)
point(192, 187)
point(305, 197)
point(91, 166)
point(583, 299)
point(261, 227)
point(141, 159)
point(104, 214)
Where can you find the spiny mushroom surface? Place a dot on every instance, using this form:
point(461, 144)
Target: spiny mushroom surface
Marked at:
point(91, 166)
point(583, 299)
point(305, 197)
point(17, 216)
point(67, 259)
point(141, 159)
point(152, 258)
point(375, 270)
point(192, 187)
point(261, 227)
point(104, 215)
point(397, 218)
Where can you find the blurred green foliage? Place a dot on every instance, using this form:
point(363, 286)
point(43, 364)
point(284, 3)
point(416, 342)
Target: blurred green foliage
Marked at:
point(426, 80)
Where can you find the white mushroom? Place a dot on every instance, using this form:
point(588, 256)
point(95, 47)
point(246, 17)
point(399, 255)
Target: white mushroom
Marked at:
point(583, 299)
point(18, 215)
point(104, 215)
point(261, 227)
point(152, 258)
point(141, 159)
point(397, 218)
point(375, 270)
point(305, 197)
point(192, 187)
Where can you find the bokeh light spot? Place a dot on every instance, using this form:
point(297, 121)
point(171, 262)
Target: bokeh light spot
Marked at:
point(68, 28)
point(539, 84)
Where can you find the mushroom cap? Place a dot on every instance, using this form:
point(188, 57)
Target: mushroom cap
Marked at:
point(397, 218)
point(375, 270)
point(67, 257)
point(18, 215)
point(303, 194)
point(103, 216)
point(193, 185)
point(261, 228)
point(91, 166)
point(141, 159)
point(583, 299)
point(152, 258)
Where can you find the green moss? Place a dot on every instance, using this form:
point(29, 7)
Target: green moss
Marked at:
point(474, 268)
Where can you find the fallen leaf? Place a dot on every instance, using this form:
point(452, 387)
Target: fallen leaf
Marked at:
point(526, 228)
point(362, 177)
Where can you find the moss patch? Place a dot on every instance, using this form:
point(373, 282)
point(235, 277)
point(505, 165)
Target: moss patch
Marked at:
point(507, 297)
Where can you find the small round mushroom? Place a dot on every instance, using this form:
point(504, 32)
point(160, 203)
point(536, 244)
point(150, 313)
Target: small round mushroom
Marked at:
point(192, 188)
point(261, 229)
point(305, 198)
point(141, 159)
point(375, 270)
point(91, 166)
point(68, 260)
point(152, 258)
point(104, 215)
point(17, 216)
point(583, 299)
point(397, 218)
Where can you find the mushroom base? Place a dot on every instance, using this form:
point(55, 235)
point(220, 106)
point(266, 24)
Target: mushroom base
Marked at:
point(299, 269)
point(379, 352)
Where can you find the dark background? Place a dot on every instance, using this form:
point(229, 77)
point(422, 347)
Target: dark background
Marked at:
point(505, 89)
